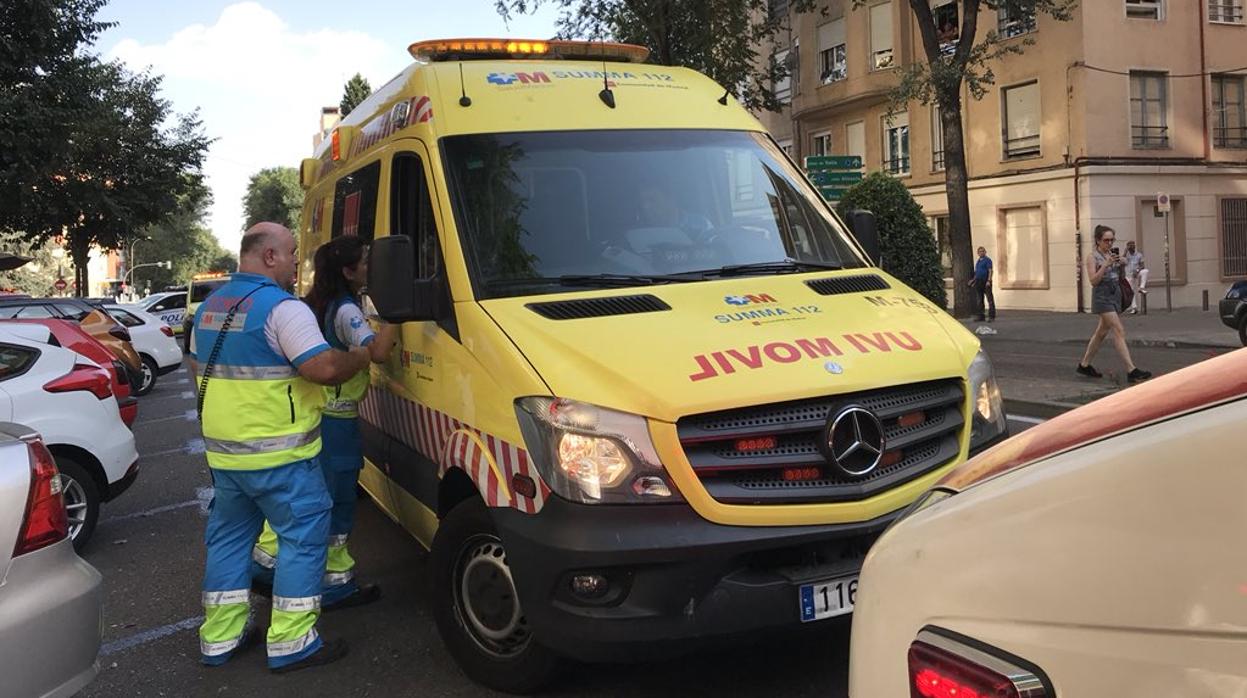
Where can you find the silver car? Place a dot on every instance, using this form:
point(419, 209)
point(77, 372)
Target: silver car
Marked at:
point(51, 601)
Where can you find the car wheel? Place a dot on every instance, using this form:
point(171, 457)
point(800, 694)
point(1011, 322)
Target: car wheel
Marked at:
point(147, 377)
point(1242, 330)
point(82, 500)
point(476, 606)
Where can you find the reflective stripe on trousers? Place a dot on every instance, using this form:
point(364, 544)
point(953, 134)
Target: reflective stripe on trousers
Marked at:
point(289, 647)
point(225, 620)
point(269, 445)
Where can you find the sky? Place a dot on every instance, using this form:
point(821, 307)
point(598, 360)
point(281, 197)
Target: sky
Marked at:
point(259, 72)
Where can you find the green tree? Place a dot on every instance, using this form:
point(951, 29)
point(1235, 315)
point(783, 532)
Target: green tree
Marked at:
point(36, 277)
point(355, 90)
point(122, 156)
point(183, 240)
point(273, 194)
point(906, 242)
point(716, 37)
point(948, 66)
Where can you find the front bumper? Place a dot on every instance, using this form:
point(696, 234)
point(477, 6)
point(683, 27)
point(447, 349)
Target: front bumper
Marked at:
point(677, 581)
point(1229, 309)
point(51, 618)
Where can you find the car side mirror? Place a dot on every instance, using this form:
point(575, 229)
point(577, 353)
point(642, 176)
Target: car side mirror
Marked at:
point(862, 224)
point(395, 292)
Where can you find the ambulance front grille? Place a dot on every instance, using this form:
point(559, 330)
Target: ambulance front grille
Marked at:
point(775, 454)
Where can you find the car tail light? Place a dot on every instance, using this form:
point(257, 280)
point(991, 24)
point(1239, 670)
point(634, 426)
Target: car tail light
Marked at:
point(941, 667)
point(45, 521)
point(93, 379)
point(120, 333)
point(168, 331)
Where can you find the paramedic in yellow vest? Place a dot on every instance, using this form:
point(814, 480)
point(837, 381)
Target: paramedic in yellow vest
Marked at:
point(262, 361)
point(341, 270)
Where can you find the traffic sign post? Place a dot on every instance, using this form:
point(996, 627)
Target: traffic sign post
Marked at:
point(60, 285)
point(1165, 206)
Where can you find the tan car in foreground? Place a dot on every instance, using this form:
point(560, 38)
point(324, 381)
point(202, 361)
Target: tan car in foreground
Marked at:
point(1102, 553)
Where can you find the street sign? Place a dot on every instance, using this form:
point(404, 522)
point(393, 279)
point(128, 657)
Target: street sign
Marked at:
point(1163, 205)
point(831, 177)
point(833, 162)
point(832, 193)
point(60, 285)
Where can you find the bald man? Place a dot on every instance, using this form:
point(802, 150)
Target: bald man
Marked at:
point(262, 356)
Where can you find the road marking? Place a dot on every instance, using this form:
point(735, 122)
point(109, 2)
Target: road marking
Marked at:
point(1026, 420)
point(153, 511)
point(188, 394)
point(152, 635)
point(188, 415)
point(190, 448)
point(183, 381)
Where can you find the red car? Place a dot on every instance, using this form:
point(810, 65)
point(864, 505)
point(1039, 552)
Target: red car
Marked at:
point(71, 336)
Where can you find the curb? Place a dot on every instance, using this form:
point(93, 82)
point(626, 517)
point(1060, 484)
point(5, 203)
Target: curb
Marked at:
point(1041, 409)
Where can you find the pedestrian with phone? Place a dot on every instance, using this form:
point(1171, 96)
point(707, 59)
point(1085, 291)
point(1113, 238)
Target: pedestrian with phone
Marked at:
point(1104, 271)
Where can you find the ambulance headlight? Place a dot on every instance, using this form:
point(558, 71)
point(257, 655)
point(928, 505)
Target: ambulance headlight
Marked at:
point(987, 409)
point(593, 455)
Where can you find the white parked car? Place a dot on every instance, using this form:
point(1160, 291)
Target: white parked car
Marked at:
point(68, 399)
point(51, 602)
point(169, 306)
point(153, 339)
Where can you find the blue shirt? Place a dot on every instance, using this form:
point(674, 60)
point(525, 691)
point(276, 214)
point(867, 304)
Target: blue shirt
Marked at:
point(982, 268)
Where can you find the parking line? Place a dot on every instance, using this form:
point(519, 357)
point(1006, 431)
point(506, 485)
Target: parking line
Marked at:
point(151, 512)
point(188, 415)
point(147, 636)
point(190, 448)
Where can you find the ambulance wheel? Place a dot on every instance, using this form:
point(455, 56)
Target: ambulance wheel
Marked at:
point(477, 609)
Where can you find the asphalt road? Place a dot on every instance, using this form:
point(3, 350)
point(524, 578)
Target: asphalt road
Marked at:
point(149, 547)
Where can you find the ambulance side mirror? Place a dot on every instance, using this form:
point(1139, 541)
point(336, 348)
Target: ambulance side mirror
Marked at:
point(395, 292)
point(863, 226)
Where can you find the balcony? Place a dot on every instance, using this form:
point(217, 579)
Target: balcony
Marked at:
point(1225, 11)
point(1229, 136)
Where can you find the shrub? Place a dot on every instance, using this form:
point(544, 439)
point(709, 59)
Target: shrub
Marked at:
point(907, 243)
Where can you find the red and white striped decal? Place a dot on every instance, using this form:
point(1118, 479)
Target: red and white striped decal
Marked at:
point(422, 107)
point(453, 444)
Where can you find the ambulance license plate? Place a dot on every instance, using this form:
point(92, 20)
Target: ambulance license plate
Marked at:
point(828, 599)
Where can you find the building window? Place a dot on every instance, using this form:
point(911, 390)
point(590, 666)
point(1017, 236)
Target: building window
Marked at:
point(937, 140)
point(947, 26)
point(1225, 11)
point(881, 36)
point(1229, 116)
point(1014, 23)
point(1149, 110)
point(1234, 237)
point(939, 226)
point(1023, 247)
point(855, 139)
point(782, 88)
point(820, 143)
point(832, 56)
point(896, 144)
point(1021, 120)
point(786, 146)
point(1145, 9)
point(778, 9)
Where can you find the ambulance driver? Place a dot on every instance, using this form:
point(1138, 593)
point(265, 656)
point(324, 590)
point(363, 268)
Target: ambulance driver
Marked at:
point(341, 270)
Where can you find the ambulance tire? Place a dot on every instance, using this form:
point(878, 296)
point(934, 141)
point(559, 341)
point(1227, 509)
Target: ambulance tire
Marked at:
point(466, 544)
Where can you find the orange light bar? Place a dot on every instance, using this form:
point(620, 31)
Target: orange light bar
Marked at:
point(459, 49)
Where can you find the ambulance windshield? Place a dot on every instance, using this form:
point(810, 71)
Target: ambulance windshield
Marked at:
point(541, 211)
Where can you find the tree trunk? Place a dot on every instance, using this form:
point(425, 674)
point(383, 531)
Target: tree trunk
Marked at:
point(80, 250)
point(959, 239)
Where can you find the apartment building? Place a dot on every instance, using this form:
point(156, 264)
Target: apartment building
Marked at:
point(1129, 99)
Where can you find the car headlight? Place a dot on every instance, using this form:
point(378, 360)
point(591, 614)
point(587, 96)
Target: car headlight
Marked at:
point(593, 455)
point(987, 414)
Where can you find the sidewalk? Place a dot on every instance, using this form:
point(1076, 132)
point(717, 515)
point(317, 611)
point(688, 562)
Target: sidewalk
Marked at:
point(1184, 328)
point(1034, 350)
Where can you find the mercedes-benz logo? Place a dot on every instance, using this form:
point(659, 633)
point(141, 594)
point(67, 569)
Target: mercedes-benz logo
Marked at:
point(855, 441)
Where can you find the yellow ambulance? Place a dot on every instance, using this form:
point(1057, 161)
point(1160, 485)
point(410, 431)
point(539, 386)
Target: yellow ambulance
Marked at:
point(651, 391)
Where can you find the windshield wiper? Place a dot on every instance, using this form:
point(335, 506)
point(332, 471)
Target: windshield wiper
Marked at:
point(592, 280)
point(786, 266)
